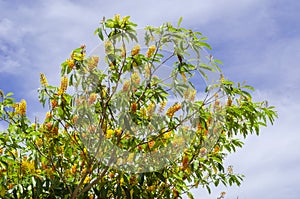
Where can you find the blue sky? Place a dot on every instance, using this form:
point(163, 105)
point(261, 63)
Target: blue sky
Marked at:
point(258, 41)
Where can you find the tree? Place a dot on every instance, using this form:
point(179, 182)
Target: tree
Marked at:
point(131, 124)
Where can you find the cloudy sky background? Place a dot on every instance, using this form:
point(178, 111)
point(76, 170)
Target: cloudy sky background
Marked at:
point(258, 41)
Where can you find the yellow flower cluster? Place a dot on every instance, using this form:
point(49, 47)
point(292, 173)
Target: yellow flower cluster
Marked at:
point(87, 180)
point(150, 51)
point(151, 144)
point(43, 80)
point(185, 162)
point(167, 134)
point(133, 107)
point(109, 133)
point(135, 78)
point(229, 101)
point(143, 112)
point(63, 85)
point(71, 63)
point(92, 62)
point(126, 85)
point(74, 169)
point(21, 108)
point(173, 109)
point(92, 98)
point(136, 50)
point(151, 108)
point(54, 103)
point(117, 17)
point(108, 47)
point(48, 115)
point(28, 166)
point(130, 158)
point(203, 151)
point(147, 70)
point(190, 94)
point(162, 106)
point(77, 55)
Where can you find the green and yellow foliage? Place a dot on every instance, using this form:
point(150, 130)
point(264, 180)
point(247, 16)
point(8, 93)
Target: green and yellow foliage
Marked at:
point(98, 112)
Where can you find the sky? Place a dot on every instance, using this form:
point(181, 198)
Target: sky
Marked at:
point(257, 40)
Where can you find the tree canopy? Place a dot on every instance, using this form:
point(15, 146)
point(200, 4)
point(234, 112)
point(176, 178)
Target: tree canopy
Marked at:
point(140, 117)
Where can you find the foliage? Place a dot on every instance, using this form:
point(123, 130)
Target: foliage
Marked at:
point(73, 153)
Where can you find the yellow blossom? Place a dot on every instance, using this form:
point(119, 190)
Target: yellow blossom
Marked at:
point(143, 112)
point(193, 95)
point(151, 144)
point(121, 181)
point(53, 103)
point(135, 50)
point(81, 56)
point(230, 169)
point(118, 131)
point(92, 98)
point(48, 115)
point(22, 107)
point(151, 50)
point(190, 94)
point(135, 78)
point(229, 101)
point(167, 135)
point(71, 63)
point(203, 150)
point(63, 85)
point(39, 142)
point(162, 106)
point(126, 85)
point(109, 133)
point(133, 107)
point(117, 17)
point(185, 162)
point(86, 180)
point(173, 109)
point(38, 171)
point(74, 119)
point(73, 169)
point(147, 70)
point(151, 108)
point(91, 196)
point(103, 92)
point(119, 161)
point(130, 157)
point(223, 193)
point(108, 47)
point(28, 166)
point(43, 80)
point(186, 93)
point(216, 149)
point(10, 186)
point(92, 62)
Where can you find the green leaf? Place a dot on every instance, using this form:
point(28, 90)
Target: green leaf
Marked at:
point(179, 21)
point(100, 34)
point(190, 195)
